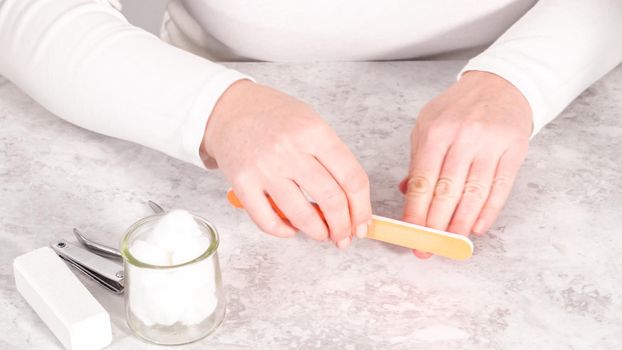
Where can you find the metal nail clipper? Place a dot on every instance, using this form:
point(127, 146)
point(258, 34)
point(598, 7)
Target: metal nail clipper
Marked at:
point(98, 261)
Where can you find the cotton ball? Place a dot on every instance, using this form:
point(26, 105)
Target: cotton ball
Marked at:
point(192, 248)
point(139, 308)
point(167, 304)
point(206, 270)
point(183, 279)
point(143, 286)
point(149, 253)
point(205, 302)
point(195, 275)
point(147, 279)
point(200, 312)
point(173, 230)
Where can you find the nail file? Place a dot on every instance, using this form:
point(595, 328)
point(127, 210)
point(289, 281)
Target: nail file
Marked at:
point(425, 239)
point(401, 233)
point(63, 303)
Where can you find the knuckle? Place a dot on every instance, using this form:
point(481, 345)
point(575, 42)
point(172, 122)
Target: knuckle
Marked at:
point(315, 128)
point(475, 191)
point(332, 199)
point(436, 131)
point(474, 126)
point(240, 181)
point(418, 185)
point(502, 183)
point(445, 188)
point(304, 217)
point(356, 182)
point(268, 163)
point(281, 142)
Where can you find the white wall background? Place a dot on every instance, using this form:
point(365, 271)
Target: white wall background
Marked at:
point(146, 14)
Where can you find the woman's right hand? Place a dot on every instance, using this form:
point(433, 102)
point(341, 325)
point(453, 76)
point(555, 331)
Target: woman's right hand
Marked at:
point(269, 143)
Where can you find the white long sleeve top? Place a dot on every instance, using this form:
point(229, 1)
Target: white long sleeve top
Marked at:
point(84, 62)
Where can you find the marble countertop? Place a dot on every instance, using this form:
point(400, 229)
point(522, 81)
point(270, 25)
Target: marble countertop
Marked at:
point(547, 276)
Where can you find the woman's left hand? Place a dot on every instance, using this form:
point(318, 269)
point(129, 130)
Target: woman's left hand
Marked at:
point(466, 149)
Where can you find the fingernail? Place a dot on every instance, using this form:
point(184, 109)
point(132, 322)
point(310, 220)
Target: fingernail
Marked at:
point(361, 231)
point(344, 243)
point(479, 227)
point(422, 255)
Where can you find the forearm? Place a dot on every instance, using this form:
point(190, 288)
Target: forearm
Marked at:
point(557, 50)
point(82, 60)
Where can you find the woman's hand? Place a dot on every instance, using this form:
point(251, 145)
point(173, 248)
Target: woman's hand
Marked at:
point(267, 142)
point(466, 149)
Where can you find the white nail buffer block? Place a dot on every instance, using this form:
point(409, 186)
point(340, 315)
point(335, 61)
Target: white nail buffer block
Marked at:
point(63, 303)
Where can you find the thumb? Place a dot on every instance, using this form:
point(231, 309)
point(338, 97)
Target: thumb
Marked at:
point(403, 186)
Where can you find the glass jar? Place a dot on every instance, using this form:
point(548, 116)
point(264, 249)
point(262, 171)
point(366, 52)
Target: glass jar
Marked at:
point(174, 304)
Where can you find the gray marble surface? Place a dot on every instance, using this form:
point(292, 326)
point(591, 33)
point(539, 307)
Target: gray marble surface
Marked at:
point(547, 276)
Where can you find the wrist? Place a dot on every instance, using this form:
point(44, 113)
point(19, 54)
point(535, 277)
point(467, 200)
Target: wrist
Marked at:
point(503, 91)
point(226, 107)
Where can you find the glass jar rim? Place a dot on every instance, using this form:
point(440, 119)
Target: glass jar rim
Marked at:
point(131, 259)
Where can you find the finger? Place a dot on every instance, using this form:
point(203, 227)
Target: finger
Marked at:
point(474, 194)
point(426, 163)
point(403, 186)
point(290, 200)
point(449, 186)
point(258, 208)
point(352, 178)
point(329, 196)
point(506, 172)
